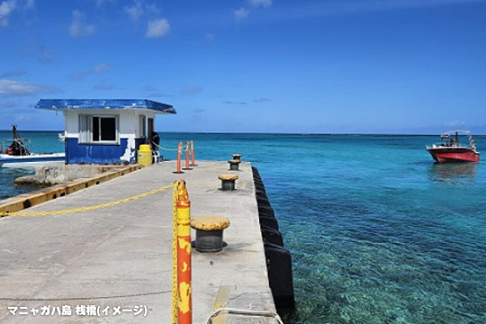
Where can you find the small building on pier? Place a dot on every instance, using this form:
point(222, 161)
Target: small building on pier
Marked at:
point(106, 131)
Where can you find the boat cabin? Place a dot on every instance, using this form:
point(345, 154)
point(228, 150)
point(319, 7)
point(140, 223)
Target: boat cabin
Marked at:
point(106, 131)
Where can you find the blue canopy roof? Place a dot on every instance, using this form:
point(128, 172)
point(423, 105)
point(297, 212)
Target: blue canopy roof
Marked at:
point(62, 104)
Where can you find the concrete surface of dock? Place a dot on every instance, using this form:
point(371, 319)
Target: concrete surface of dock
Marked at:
point(114, 265)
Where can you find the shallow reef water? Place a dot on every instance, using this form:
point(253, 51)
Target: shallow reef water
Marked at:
point(378, 232)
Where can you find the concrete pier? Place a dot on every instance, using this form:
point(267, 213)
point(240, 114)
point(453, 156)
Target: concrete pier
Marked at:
point(114, 264)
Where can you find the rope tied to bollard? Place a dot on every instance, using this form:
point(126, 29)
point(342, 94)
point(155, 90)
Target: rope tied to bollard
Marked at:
point(189, 154)
point(164, 148)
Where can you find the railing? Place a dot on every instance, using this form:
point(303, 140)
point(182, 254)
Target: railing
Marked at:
point(244, 312)
point(444, 145)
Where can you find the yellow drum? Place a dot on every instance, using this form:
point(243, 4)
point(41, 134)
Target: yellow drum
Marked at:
point(144, 155)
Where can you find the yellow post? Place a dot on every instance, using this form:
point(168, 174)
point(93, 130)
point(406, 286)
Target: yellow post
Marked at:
point(184, 255)
point(175, 295)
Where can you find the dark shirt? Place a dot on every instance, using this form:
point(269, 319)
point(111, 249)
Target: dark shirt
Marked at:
point(155, 139)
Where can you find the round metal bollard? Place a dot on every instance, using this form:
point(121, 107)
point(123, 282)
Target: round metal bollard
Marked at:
point(228, 181)
point(234, 165)
point(209, 232)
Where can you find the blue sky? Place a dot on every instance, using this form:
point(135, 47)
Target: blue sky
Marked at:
point(280, 66)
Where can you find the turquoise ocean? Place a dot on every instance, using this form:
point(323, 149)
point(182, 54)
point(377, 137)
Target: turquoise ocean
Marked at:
point(378, 233)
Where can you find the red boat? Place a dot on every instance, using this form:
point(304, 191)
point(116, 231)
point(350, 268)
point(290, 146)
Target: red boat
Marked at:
point(450, 149)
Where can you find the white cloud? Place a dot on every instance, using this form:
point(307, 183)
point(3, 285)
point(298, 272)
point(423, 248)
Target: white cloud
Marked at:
point(40, 51)
point(152, 8)
point(157, 28)
point(101, 67)
point(6, 8)
point(79, 27)
point(241, 13)
point(96, 70)
point(15, 88)
point(229, 102)
point(263, 99)
point(244, 12)
point(261, 3)
point(135, 11)
point(139, 8)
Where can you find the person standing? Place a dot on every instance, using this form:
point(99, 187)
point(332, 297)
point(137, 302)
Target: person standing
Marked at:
point(154, 142)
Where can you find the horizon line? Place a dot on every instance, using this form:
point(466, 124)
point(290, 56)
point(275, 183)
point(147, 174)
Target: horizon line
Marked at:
point(267, 133)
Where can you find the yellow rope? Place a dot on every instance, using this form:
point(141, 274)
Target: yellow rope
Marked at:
point(82, 209)
point(163, 148)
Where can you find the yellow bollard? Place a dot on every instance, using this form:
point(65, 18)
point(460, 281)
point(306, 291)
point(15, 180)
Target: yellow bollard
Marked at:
point(184, 255)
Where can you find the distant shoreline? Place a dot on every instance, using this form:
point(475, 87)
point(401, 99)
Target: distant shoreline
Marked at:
point(260, 133)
